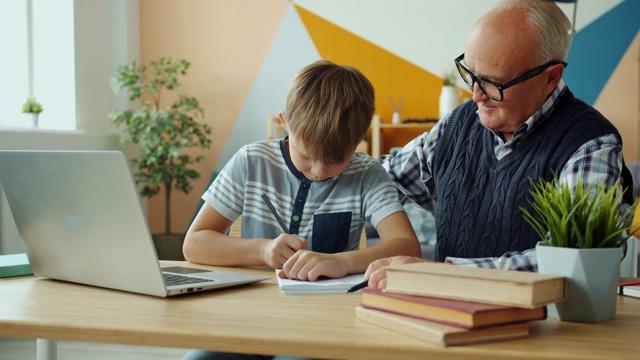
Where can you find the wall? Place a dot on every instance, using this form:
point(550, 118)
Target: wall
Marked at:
point(244, 53)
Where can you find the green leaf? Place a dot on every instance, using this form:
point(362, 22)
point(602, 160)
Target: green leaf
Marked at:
point(580, 217)
point(163, 132)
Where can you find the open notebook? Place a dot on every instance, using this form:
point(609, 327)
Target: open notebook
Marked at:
point(80, 220)
point(323, 286)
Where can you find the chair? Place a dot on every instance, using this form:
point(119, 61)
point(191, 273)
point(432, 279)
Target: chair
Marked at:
point(237, 225)
point(234, 230)
point(275, 130)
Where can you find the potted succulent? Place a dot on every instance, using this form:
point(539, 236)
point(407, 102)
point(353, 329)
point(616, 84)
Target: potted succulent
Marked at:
point(33, 109)
point(582, 232)
point(163, 134)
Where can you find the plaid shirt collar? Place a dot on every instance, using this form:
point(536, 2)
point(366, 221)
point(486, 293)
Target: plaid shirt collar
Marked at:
point(534, 120)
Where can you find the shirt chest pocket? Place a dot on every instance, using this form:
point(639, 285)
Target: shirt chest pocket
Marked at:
point(331, 232)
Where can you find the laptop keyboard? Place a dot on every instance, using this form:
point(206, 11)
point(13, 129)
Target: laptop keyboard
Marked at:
point(173, 279)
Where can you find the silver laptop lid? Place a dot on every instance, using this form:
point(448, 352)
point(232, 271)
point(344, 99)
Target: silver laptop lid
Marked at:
point(80, 218)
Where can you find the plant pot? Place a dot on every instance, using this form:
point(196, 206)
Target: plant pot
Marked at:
point(593, 276)
point(169, 246)
point(32, 120)
point(449, 99)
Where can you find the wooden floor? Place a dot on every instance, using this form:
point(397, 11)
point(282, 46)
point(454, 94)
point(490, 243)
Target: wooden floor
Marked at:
point(25, 349)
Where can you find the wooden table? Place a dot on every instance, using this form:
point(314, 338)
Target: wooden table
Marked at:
point(259, 318)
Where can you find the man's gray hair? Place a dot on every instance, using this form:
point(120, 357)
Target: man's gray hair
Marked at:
point(552, 25)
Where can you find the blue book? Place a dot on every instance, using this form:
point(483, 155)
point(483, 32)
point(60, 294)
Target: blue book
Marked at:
point(14, 265)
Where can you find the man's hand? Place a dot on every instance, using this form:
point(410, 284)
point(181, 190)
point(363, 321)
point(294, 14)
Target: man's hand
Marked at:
point(376, 273)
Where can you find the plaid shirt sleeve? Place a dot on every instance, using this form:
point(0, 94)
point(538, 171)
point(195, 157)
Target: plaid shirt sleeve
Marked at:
point(411, 170)
point(513, 260)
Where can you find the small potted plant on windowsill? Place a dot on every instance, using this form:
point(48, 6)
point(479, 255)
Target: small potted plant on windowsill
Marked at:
point(582, 235)
point(33, 109)
point(163, 134)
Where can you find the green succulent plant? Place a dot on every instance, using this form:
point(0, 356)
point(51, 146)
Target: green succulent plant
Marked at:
point(32, 106)
point(593, 217)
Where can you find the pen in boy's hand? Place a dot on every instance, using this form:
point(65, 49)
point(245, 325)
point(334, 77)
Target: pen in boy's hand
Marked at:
point(275, 214)
point(357, 287)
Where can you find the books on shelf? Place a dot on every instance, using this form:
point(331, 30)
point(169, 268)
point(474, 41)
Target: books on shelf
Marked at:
point(492, 286)
point(629, 287)
point(465, 314)
point(440, 334)
point(322, 286)
point(14, 265)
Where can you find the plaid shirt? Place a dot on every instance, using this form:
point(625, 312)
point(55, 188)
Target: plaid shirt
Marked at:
point(599, 159)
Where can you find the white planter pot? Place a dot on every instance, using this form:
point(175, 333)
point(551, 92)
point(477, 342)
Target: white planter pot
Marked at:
point(593, 276)
point(32, 120)
point(449, 99)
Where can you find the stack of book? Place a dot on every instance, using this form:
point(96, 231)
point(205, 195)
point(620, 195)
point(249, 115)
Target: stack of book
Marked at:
point(453, 305)
point(629, 286)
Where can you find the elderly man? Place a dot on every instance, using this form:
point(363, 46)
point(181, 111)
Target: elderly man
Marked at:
point(473, 167)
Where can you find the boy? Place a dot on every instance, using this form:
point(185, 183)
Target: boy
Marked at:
point(322, 188)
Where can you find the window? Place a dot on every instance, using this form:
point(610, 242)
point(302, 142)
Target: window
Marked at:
point(37, 59)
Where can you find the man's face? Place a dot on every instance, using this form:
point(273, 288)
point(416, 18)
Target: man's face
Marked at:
point(500, 50)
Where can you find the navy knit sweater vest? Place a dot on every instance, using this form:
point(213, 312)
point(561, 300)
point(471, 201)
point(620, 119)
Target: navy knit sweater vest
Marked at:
point(479, 197)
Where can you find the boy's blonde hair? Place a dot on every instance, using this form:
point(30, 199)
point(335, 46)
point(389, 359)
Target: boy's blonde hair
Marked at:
point(329, 110)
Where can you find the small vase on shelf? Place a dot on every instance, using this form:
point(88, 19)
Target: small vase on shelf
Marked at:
point(449, 99)
point(396, 119)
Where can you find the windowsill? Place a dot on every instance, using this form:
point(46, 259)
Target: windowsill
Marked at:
point(41, 131)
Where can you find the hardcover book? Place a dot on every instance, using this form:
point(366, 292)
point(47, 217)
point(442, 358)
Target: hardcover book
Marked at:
point(465, 314)
point(440, 334)
point(491, 286)
point(629, 286)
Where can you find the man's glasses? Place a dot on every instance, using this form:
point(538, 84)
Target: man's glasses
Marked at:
point(492, 89)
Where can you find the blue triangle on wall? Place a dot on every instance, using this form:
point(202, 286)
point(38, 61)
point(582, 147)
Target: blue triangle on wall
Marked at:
point(598, 48)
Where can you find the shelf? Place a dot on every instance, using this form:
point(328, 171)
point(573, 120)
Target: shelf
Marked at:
point(275, 131)
point(377, 129)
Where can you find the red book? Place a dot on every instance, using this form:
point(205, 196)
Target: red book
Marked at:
point(464, 314)
point(629, 286)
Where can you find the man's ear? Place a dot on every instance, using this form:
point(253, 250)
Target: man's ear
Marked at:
point(553, 76)
point(282, 121)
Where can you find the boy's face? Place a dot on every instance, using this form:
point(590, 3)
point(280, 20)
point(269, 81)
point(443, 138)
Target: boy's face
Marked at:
point(312, 169)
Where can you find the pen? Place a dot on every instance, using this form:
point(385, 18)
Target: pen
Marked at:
point(357, 287)
point(275, 214)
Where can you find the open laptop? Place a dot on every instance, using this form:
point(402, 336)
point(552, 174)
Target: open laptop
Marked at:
point(80, 220)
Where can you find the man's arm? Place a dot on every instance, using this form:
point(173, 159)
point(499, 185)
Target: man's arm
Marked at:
point(411, 170)
point(513, 260)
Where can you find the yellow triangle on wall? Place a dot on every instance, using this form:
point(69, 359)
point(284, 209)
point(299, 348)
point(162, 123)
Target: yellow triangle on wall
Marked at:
point(390, 74)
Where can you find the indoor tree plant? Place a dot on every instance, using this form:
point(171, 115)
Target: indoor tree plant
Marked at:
point(32, 108)
point(582, 232)
point(162, 135)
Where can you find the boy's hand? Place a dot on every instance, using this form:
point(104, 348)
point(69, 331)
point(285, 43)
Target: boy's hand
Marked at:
point(376, 273)
point(310, 266)
point(280, 249)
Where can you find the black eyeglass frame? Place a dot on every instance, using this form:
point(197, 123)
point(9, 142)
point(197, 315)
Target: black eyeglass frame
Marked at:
point(501, 87)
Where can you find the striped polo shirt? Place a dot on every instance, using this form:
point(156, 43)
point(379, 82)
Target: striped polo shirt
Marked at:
point(330, 214)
